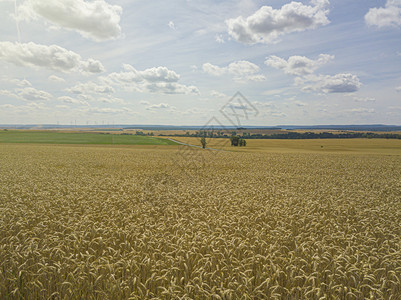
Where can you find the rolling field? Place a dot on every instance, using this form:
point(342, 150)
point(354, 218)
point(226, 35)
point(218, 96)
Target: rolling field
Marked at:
point(143, 222)
point(337, 146)
point(51, 137)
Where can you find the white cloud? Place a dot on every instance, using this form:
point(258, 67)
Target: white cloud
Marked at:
point(264, 104)
point(51, 57)
point(241, 70)
point(22, 83)
point(8, 93)
point(217, 94)
point(171, 88)
point(171, 25)
point(70, 100)
point(267, 24)
point(158, 106)
point(110, 100)
point(153, 80)
point(106, 110)
point(364, 99)
point(304, 68)
point(159, 74)
point(388, 16)
point(31, 94)
point(144, 102)
point(55, 78)
point(90, 87)
point(339, 83)
point(300, 103)
point(25, 109)
point(398, 89)
point(18, 82)
point(219, 38)
point(213, 70)
point(96, 20)
point(361, 110)
point(298, 65)
point(28, 94)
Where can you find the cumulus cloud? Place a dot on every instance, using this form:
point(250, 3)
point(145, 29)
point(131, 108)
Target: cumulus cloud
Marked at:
point(361, 110)
point(111, 100)
point(130, 75)
point(17, 82)
point(51, 57)
point(217, 94)
point(267, 24)
point(153, 80)
point(106, 110)
point(171, 25)
point(28, 94)
point(298, 65)
point(90, 87)
point(32, 94)
point(158, 106)
point(55, 78)
point(241, 70)
point(219, 39)
point(96, 20)
point(69, 100)
point(304, 69)
point(300, 103)
point(24, 109)
point(171, 88)
point(364, 99)
point(339, 83)
point(214, 70)
point(264, 104)
point(388, 16)
point(269, 109)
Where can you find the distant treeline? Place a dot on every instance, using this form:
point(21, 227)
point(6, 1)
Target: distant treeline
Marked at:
point(292, 135)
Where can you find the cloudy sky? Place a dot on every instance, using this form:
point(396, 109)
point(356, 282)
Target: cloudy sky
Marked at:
point(179, 62)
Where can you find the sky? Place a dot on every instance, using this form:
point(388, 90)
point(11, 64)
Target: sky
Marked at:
point(181, 62)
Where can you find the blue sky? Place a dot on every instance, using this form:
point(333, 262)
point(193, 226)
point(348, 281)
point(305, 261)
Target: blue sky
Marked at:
point(179, 62)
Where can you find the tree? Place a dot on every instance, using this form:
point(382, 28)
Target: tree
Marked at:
point(234, 140)
point(244, 143)
point(203, 142)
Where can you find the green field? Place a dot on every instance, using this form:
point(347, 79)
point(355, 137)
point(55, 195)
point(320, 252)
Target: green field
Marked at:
point(51, 137)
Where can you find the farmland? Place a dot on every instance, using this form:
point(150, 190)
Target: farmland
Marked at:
point(285, 221)
point(51, 137)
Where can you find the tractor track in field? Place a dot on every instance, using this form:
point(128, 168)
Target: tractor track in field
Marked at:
point(195, 146)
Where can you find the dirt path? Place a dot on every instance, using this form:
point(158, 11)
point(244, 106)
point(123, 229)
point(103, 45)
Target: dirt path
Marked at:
point(195, 146)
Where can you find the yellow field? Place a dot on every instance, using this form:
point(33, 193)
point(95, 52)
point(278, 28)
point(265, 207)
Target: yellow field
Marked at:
point(274, 220)
point(346, 146)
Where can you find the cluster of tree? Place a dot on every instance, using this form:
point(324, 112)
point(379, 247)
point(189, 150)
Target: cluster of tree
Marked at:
point(237, 141)
point(204, 133)
point(293, 135)
point(138, 132)
point(326, 135)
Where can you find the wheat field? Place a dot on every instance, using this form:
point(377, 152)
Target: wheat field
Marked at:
point(151, 222)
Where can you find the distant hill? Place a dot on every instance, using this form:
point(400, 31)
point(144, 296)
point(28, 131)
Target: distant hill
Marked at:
point(368, 127)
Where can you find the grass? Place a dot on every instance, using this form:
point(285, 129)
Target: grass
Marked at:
point(145, 222)
point(49, 137)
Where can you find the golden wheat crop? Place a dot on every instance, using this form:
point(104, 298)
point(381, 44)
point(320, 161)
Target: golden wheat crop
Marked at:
point(128, 223)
